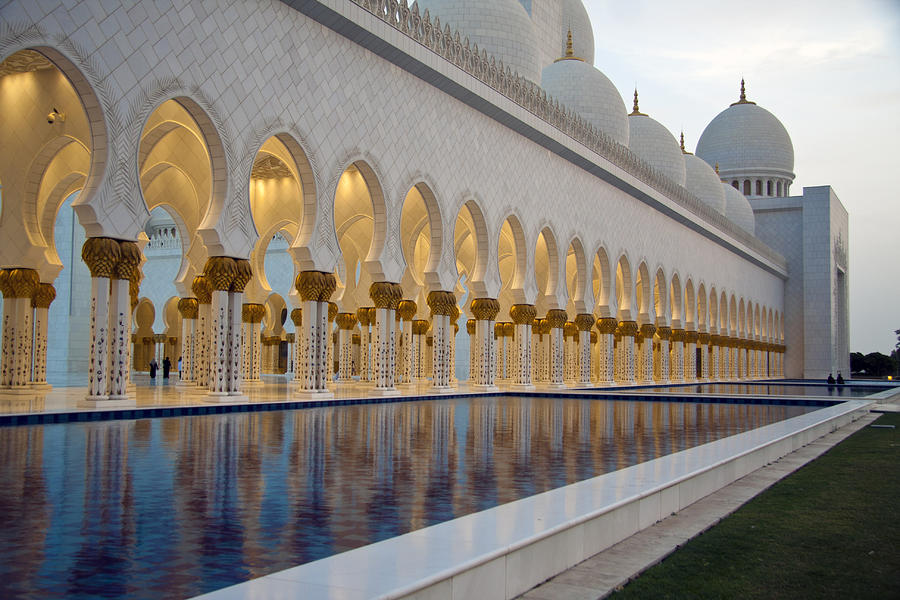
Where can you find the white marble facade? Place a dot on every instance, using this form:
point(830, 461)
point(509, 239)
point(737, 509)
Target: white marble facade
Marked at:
point(598, 231)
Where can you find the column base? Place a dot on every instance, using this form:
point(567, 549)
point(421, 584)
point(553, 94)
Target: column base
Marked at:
point(555, 386)
point(107, 402)
point(384, 392)
point(480, 387)
point(185, 384)
point(40, 387)
point(224, 398)
point(22, 390)
point(524, 387)
point(441, 389)
point(313, 394)
point(252, 382)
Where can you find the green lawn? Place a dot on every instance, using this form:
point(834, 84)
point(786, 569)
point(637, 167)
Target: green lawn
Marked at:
point(830, 530)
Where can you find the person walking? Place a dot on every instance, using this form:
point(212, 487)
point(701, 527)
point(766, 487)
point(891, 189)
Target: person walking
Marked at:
point(167, 366)
point(153, 367)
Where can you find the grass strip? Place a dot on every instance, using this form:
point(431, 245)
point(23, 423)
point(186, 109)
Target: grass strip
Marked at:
point(829, 530)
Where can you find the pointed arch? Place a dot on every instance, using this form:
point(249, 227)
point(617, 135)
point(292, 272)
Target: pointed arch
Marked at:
point(602, 283)
point(624, 289)
point(576, 277)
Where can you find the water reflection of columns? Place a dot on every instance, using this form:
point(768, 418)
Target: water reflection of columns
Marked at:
point(556, 320)
point(442, 305)
point(485, 311)
point(315, 288)
point(606, 329)
point(386, 297)
point(523, 317)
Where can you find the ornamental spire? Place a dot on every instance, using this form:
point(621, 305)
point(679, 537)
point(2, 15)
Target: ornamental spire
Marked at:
point(636, 111)
point(683, 151)
point(570, 50)
point(743, 98)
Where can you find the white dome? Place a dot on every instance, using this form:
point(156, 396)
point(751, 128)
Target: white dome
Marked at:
point(703, 182)
point(500, 27)
point(738, 210)
point(575, 18)
point(746, 139)
point(590, 93)
point(651, 141)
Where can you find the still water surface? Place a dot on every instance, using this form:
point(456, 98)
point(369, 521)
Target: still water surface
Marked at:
point(175, 507)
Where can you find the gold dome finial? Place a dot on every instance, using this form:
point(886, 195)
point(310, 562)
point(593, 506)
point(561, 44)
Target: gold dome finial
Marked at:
point(570, 51)
point(636, 111)
point(743, 98)
point(717, 167)
point(683, 151)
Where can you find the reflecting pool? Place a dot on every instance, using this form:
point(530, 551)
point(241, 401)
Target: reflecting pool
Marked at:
point(771, 389)
point(175, 507)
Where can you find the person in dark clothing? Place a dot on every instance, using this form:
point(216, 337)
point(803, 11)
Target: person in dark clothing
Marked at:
point(153, 367)
point(830, 379)
point(840, 379)
point(167, 366)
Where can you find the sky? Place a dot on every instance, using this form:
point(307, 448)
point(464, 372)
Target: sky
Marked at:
point(829, 70)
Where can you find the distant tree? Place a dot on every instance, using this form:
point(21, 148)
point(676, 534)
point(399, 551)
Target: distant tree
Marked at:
point(879, 365)
point(857, 362)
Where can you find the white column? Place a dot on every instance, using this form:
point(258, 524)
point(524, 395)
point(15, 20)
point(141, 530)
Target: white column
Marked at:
point(606, 328)
point(188, 308)
point(120, 338)
point(677, 355)
point(523, 317)
point(219, 324)
point(235, 341)
point(98, 367)
point(662, 376)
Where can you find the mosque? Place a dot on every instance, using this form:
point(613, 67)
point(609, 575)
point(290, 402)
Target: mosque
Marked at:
point(364, 193)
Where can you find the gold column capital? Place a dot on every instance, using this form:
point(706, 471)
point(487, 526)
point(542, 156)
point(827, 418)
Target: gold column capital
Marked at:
point(470, 326)
point(21, 283)
point(101, 254)
point(607, 325)
point(129, 260)
point(44, 295)
point(297, 317)
point(346, 320)
point(557, 318)
point(647, 330)
point(441, 303)
point(691, 337)
point(202, 290)
point(252, 313)
point(485, 309)
point(628, 328)
point(242, 274)
point(385, 294)
point(407, 309)
point(220, 272)
point(594, 337)
point(332, 311)
point(678, 335)
point(584, 321)
point(315, 286)
point(420, 327)
point(664, 332)
point(189, 308)
point(522, 314)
